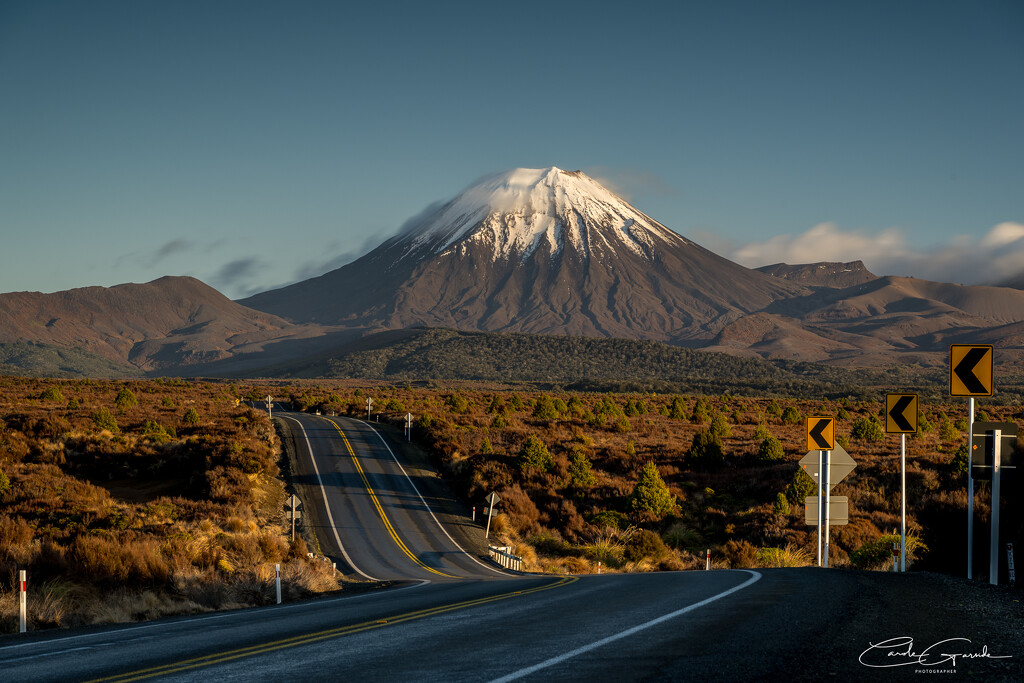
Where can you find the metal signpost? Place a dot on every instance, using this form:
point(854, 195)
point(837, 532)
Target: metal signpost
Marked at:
point(408, 426)
point(294, 507)
point(827, 463)
point(369, 404)
point(993, 454)
point(492, 501)
point(901, 412)
point(970, 375)
point(270, 406)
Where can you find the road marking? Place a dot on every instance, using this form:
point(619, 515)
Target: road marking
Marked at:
point(327, 505)
point(188, 622)
point(296, 641)
point(380, 508)
point(426, 506)
point(755, 576)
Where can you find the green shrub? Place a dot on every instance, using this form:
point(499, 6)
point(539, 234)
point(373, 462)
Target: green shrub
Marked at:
point(125, 399)
point(791, 416)
point(544, 408)
point(867, 429)
point(947, 431)
point(720, 427)
point(877, 554)
point(678, 409)
point(534, 455)
point(609, 519)
point(771, 450)
point(103, 419)
point(761, 432)
point(52, 394)
point(960, 461)
point(581, 472)
point(191, 416)
point(651, 494)
point(800, 486)
point(705, 451)
point(5, 482)
point(774, 409)
point(781, 505)
point(645, 544)
point(486, 448)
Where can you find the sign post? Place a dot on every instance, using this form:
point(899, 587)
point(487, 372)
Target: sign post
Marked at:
point(901, 413)
point(270, 406)
point(827, 463)
point(369, 404)
point(994, 451)
point(408, 426)
point(294, 506)
point(971, 374)
point(492, 500)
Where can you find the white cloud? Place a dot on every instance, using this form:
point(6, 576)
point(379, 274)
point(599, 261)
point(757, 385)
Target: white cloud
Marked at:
point(997, 256)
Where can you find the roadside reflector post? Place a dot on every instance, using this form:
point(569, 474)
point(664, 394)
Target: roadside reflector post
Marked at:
point(22, 601)
point(707, 559)
point(474, 513)
point(277, 572)
point(598, 567)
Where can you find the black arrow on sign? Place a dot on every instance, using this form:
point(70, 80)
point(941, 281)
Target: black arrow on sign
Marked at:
point(897, 413)
point(965, 370)
point(816, 434)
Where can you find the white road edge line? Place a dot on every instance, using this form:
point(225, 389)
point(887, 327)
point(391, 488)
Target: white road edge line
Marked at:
point(425, 505)
point(327, 503)
point(755, 576)
point(115, 630)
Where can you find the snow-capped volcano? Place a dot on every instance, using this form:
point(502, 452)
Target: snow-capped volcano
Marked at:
point(517, 211)
point(534, 250)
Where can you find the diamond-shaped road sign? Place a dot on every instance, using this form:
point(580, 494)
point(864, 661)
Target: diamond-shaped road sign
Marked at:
point(840, 464)
point(970, 369)
point(493, 499)
point(821, 433)
point(838, 510)
point(901, 413)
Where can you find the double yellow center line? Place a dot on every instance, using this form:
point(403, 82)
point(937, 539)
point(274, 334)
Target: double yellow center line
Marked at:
point(380, 508)
point(296, 641)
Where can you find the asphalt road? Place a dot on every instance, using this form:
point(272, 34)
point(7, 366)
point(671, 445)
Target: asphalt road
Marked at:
point(368, 511)
point(450, 617)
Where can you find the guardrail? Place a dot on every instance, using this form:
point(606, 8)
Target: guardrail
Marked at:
point(506, 559)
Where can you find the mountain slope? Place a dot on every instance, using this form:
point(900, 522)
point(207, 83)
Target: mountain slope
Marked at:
point(542, 251)
point(169, 322)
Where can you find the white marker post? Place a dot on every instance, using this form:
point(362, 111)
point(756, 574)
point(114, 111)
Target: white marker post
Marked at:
point(970, 491)
point(408, 426)
point(707, 560)
point(903, 503)
point(270, 406)
point(277, 571)
point(23, 602)
point(993, 555)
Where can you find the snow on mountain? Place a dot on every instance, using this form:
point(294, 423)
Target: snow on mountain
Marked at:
point(516, 211)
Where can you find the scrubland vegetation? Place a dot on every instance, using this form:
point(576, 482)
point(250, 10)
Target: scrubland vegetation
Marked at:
point(131, 500)
point(648, 481)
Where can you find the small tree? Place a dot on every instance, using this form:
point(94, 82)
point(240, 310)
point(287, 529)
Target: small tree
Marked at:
point(700, 412)
point(125, 399)
point(800, 486)
point(791, 416)
point(52, 394)
point(959, 461)
point(867, 429)
point(720, 427)
point(947, 431)
point(580, 470)
point(705, 451)
point(104, 420)
point(544, 409)
point(781, 506)
point(534, 455)
point(191, 416)
point(678, 409)
point(774, 409)
point(651, 494)
point(771, 450)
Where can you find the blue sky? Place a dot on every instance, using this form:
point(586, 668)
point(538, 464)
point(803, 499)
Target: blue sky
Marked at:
point(252, 144)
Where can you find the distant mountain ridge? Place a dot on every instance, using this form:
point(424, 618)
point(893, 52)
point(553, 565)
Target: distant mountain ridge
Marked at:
point(529, 251)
